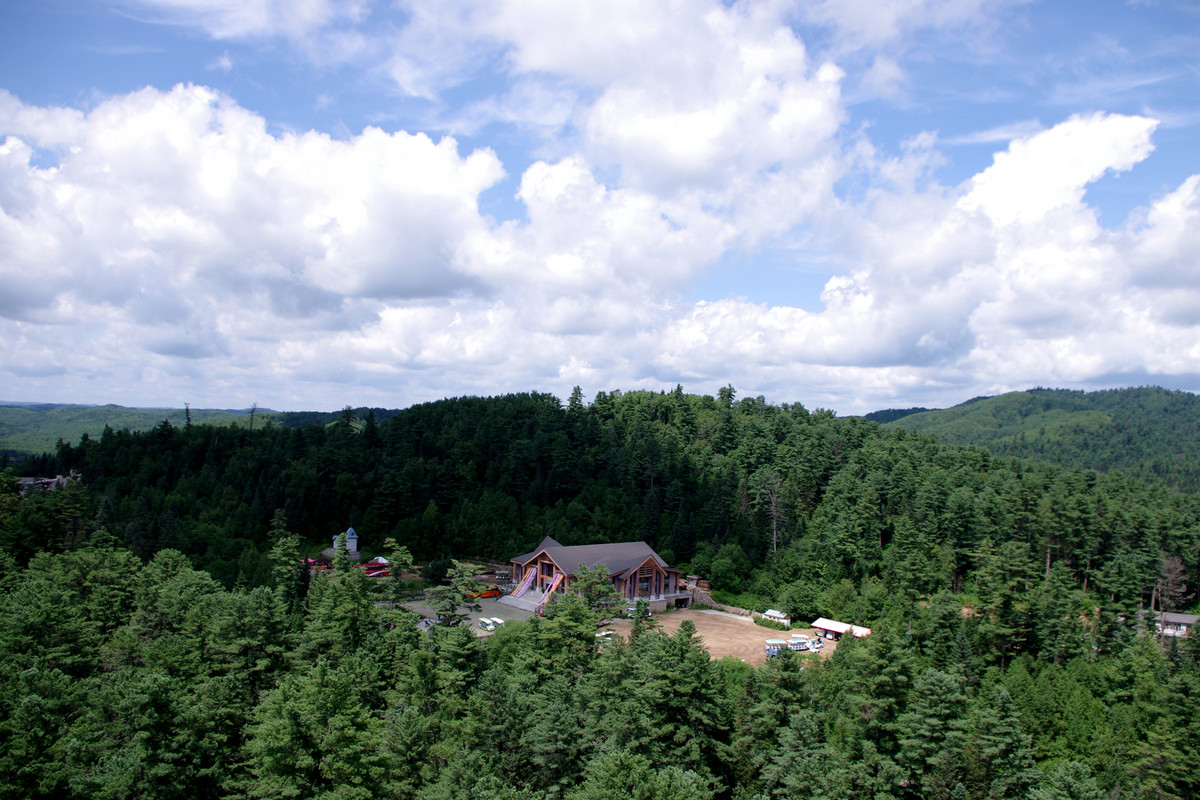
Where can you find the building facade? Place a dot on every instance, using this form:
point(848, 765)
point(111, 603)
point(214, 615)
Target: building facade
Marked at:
point(636, 571)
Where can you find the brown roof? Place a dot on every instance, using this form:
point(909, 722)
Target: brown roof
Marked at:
point(619, 557)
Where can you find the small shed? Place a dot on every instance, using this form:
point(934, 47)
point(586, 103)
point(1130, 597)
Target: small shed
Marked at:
point(777, 616)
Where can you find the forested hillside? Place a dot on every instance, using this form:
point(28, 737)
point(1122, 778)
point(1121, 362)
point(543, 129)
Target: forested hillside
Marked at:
point(1004, 596)
point(1148, 433)
point(30, 428)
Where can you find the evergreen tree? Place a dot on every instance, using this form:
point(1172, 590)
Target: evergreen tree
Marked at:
point(314, 736)
point(452, 602)
point(932, 735)
point(999, 755)
point(627, 775)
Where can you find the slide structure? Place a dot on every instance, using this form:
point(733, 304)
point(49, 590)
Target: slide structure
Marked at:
point(558, 576)
point(525, 583)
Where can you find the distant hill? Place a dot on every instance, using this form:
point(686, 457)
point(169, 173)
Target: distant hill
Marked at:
point(1147, 432)
point(35, 428)
point(893, 414)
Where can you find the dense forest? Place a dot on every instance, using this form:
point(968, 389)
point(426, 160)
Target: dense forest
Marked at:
point(1146, 432)
point(158, 640)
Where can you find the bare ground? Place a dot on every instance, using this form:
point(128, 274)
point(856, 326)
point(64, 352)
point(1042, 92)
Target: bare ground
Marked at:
point(725, 634)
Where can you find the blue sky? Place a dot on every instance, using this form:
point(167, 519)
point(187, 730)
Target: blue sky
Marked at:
point(851, 204)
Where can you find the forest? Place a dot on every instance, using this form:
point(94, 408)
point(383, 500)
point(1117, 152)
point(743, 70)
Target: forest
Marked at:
point(160, 641)
point(1146, 432)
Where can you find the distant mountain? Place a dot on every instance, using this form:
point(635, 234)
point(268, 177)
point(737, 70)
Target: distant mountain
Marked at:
point(893, 414)
point(1147, 432)
point(35, 428)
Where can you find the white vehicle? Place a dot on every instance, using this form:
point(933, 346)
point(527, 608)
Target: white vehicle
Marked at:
point(487, 624)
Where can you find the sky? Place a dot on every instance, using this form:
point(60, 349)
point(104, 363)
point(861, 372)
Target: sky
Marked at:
point(850, 204)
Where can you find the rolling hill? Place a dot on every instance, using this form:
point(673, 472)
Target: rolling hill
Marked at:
point(35, 428)
point(1146, 432)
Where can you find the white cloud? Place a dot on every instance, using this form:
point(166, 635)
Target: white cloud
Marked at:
point(177, 240)
point(169, 236)
point(227, 19)
point(174, 223)
point(1164, 247)
point(180, 234)
point(1052, 169)
point(224, 63)
point(870, 24)
point(885, 78)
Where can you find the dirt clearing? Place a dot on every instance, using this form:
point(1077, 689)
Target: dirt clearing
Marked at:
point(725, 634)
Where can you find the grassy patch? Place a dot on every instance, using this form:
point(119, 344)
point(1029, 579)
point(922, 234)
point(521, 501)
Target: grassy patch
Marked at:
point(772, 624)
point(747, 600)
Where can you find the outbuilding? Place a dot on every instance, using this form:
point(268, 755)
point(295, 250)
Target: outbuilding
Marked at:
point(777, 616)
point(832, 629)
point(1175, 625)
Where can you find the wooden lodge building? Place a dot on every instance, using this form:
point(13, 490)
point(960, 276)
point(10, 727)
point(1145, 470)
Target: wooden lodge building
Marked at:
point(637, 572)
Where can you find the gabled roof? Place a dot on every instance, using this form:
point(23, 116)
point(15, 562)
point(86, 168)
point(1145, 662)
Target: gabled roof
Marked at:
point(1172, 618)
point(621, 558)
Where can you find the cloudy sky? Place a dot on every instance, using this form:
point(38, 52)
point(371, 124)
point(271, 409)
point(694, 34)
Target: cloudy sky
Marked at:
point(853, 204)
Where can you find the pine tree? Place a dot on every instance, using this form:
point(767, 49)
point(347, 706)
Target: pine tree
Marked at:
point(451, 602)
point(931, 734)
point(1067, 780)
point(999, 762)
point(287, 564)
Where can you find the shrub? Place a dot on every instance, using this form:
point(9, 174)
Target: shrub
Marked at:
point(770, 623)
point(745, 600)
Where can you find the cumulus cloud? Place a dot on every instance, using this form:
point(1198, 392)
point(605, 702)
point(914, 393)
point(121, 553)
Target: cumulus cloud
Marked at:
point(174, 226)
point(170, 237)
point(1052, 169)
point(176, 218)
point(944, 285)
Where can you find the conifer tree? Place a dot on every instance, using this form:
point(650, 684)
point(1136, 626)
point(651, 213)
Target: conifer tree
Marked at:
point(931, 734)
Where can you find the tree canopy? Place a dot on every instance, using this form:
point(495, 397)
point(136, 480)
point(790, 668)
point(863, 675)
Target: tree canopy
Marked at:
point(161, 639)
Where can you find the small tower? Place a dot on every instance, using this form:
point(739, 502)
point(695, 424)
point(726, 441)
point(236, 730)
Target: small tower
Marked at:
point(351, 543)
